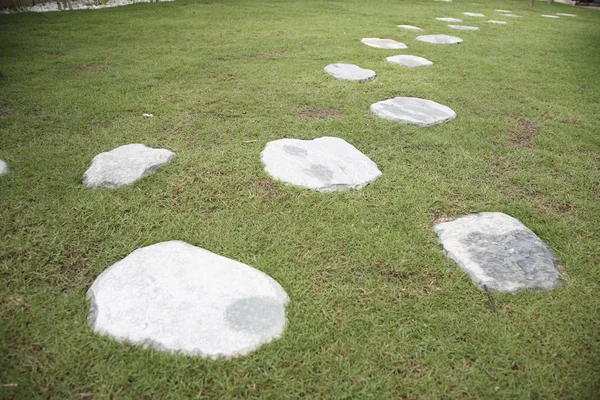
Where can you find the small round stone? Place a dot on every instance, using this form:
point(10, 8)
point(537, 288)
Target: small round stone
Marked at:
point(3, 168)
point(439, 39)
point(412, 110)
point(409, 61)
point(470, 14)
point(464, 27)
point(410, 27)
point(446, 19)
point(350, 72)
point(383, 43)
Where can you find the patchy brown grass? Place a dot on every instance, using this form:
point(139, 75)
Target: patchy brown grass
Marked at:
point(269, 54)
point(525, 132)
point(321, 113)
point(439, 216)
point(266, 188)
point(87, 68)
point(561, 208)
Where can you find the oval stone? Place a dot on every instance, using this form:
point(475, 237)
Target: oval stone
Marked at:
point(410, 27)
point(412, 110)
point(3, 168)
point(445, 19)
point(383, 43)
point(464, 27)
point(440, 39)
point(350, 72)
point(409, 61)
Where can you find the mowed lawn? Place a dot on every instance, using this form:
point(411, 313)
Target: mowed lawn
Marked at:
point(377, 311)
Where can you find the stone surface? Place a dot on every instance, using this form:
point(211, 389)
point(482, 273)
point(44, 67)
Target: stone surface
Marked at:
point(410, 27)
point(412, 110)
point(549, 16)
point(325, 164)
point(464, 27)
point(470, 14)
point(491, 21)
point(566, 15)
point(350, 72)
point(3, 168)
point(124, 165)
point(177, 297)
point(499, 251)
point(445, 19)
point(503, 11)
point(383, 43)
point(409, 61)
point(511, 15)
point(440, 39)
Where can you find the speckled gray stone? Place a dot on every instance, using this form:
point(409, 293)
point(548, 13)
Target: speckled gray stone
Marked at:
point(176, 297)
point(439, 39)
point(464, 27)
point(325, 164)
point(446, 19)
point(3, 168)
point(125, 165)
point(500, 252)
point(412, 110)
point(491, 21)
point(409, 61)
point(470, 14)
point(350, 72)
point(383, 43)
point(410, 27)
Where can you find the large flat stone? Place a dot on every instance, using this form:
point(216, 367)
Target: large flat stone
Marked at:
point(464, 27)
point(124, 165)
point(3, 168)
point(383, 43)
point(410, 27)
point(439, 39)
point(491, 21)
point(350, 72)
point(409, 61)
point(325, 164)
point(471, 14)
point(500, 252)
point(176, 297)
point(503, 11)
point(412, 110)
point(447, 19)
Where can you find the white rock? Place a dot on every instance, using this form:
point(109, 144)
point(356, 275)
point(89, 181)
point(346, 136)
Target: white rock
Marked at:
point(445, 19)
point(147, 115)
point(325, 164)
point(383, 43)
point(440, 39)
point(409, 61)
point(491, 21)
point(549, 16)
point(412, 110)
point(3, 168)
point(444, 1)
point(124, 165)
point(350, 72)
point(177, 297)
point(566, 15)
point(470, 14)
point(503, 11)
point(511, 15)
point(499, 251)
point(410, 27)
point(464, 27)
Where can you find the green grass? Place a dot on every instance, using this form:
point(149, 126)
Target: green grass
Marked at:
point(376, 309)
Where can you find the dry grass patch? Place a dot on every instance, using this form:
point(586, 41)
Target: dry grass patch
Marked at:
point(321, 113)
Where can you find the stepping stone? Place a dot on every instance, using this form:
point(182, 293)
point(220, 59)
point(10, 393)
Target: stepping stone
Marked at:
point(176, 297)
point(125, 165)
point(444, 1)
point(503, 11)
point(500, 252)
point(414, 111)
point(325, 164)
point(445, 19)
point(511, 15)
point(549, 16)
point(566, 15)
point(350, 72)
point(470, 14)
point(3, 168)
point(464, 27)
point(439, 39)
point(410, 27)
point(409, 61)
point(491, 21)
point(383, 43)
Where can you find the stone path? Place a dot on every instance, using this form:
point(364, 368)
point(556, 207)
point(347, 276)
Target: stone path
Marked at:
point(414, 111)
point(176, 297)
point(350, 72)
point(464, 27)
point(499, 251)
point(409, 61)
point(439, 39)
point(3, 168)
point(410, 27)
point(325, 164)
point(383, 43)
point(446, 19)
point(125, 165)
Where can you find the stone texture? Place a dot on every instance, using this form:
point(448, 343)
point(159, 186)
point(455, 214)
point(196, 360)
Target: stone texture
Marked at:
point(549, 16)
point(410, 27)
point(464, 27)
point(491, 21)
point(124, 165)
point(470, 14)
point(566, 15)
point(412, 110)
point(350, 72)
point(383, 43)
point(445, 19)
point(440, 39)
point(409, 61)
point(325, 164)
point(499, 251)
point(176, 297)
point(511, 15)
point(3, 168)
point(503, 11)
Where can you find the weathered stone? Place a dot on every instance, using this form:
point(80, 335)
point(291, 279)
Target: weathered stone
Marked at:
point(464, 27)
point(124, 165)
point(445, 19)
point(549, 16)
point(440, 39)
point(176, 297)
point(410, 27)
point(566, 15)
point(503, 11)
point(3, 168)
point(350, 72)
point(470, 14)
point(412, 110)
point(383, 43)
point(491, 21)
point(409, 61)
point(511, 15)
point(325, 164)
point(499, 251)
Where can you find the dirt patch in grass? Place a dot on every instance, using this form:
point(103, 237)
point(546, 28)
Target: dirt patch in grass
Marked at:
point(87, 68)
point(266, 188)
point(439, 216)
point(321, 113)
point(560, 208)
point(525, 132)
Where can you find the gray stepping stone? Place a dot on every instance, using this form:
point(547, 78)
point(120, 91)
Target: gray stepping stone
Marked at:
point(176, 297)
point(439, 39)
point(503, 11)
point(409, 61)
point(3, 168)
point(325, 164)
point(566, 15)
point(549, 16)
point(491, 21)
point(464, 27)
point(383, 43)
point(124, 165)
point(500, 252)
point(412, 110)
point(444, 1)
point(445, 19)
point(350, 72)
point(410, 27)
point(470, 14)
point(511, 15)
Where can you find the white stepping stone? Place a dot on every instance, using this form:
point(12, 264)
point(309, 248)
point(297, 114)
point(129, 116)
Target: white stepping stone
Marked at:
point(464, 27)
point(549, 16)
point(446, 19)
point(383, 43)
point(491, 21)
point(412, 110)
point(410, 27)
point(444, 1)
point(3, 168)
point(350, 72)
point(176, 297)
point(500, 252)
point(325, 164)
point(409, 61)
point(511, 15)
point(439, 39)
point(566, 15)
point(503, 11)
point(470, 14)
point(124, 165)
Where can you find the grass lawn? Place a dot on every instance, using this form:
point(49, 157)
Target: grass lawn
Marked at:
point(377, 310)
